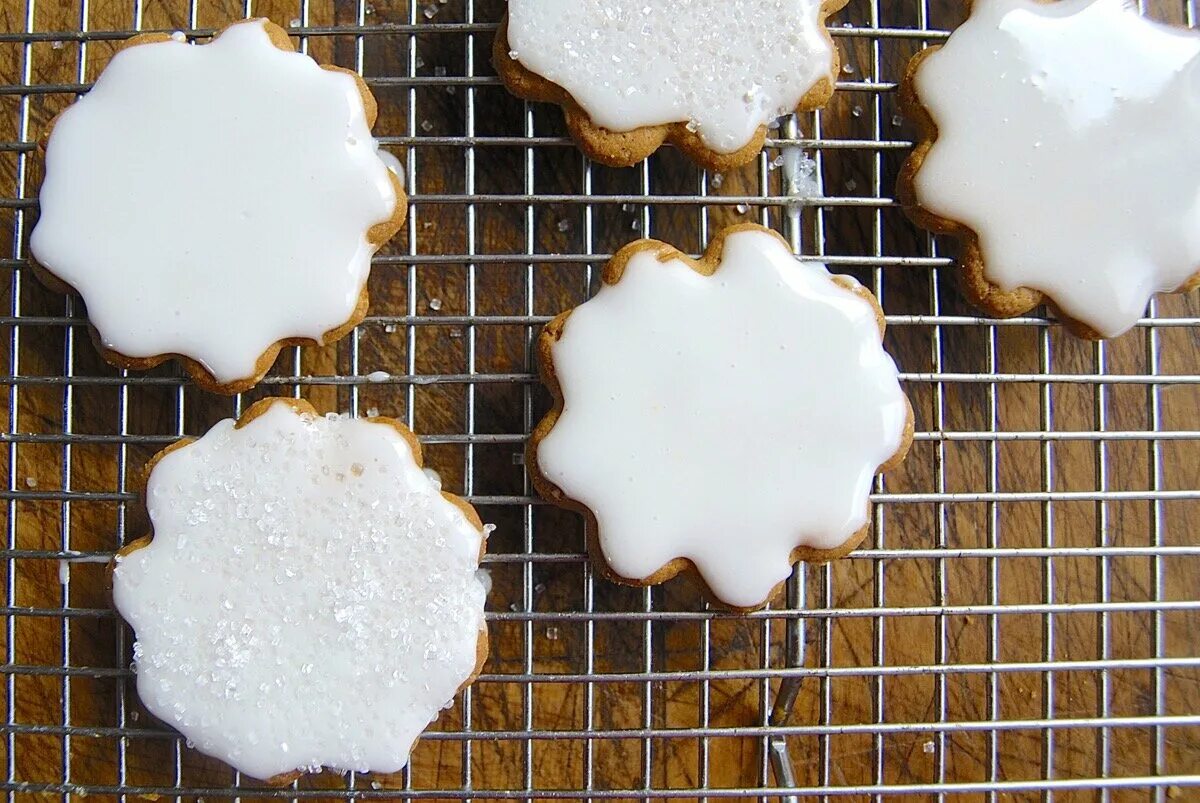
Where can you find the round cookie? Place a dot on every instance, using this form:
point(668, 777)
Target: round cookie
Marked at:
point(632, 74)
point(215, 203)
point(725, 416)
point(309, 596)
point(1059, 146)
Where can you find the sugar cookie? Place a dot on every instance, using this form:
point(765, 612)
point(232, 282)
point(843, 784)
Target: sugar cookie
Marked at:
point(1060, 147)
point(726, 415)
point(309, 596)
point(708, 75)
point(214, 203)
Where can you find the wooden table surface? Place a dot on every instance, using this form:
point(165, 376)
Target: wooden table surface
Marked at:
point(883, 620)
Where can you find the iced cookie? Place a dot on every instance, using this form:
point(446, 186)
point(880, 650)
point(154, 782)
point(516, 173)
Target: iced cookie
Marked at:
point(309, 596)
point(215, 203)
point(1061, 148)
point(726, 415)
point(708, 75)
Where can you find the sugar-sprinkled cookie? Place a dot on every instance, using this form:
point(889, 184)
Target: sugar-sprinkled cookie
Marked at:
point(309, 596)
point(726, 415)
point(216, 202)
point(708, 75)
point(1061, 148)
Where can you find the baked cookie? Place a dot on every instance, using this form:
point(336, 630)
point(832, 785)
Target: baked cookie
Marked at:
point(215, 203)
point(309, 596)
point(726, 415)
point(1060, 146)
point(708, 75)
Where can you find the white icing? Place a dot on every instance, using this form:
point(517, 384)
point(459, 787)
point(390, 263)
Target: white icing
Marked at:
point(801, 178)
point(393, 164)
point(725, 67)
point(308, 599)
point(211, 200)
point(801, 181)
point(726, 419)
point(1067, 141)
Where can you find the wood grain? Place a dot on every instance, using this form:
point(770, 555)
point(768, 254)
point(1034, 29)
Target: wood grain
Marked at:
point(115, 427)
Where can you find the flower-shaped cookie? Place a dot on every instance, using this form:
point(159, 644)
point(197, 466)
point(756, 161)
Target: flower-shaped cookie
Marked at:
point(707, 75)
point(1060, 147)
point(309, 596)
point(726, 415)
point(214, 203)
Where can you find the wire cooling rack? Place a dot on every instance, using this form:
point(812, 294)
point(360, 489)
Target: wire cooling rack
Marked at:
point(1021, 622)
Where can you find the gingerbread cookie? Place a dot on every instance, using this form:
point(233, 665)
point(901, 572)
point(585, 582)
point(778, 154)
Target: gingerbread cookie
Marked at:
point(1060, 147)
point(708, 75)
point(214, 203)
point(309, 596)
point(726, 415)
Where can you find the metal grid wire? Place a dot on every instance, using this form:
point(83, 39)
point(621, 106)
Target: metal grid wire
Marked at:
point(1021, 620)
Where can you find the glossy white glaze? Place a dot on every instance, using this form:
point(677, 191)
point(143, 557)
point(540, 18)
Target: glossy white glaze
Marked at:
point(211, 200)
point(725, 67)
point(309, 597)
point(1067, 140)
point(727, 419)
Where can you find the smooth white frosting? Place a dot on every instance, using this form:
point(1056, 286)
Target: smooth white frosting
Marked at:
point(1067, 139)
point(309, 598)
point(725, 67)
point(726, 419)
point(211, 200)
